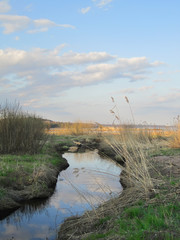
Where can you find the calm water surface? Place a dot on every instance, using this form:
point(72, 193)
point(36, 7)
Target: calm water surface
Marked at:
point(88, 181)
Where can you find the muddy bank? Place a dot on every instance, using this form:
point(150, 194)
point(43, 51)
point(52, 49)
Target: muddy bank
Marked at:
point(25, 188)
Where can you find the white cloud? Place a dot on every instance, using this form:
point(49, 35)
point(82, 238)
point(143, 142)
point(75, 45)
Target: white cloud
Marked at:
point(169, 98)
point(45, 73)
point(13, 23)
point(145, 88)
point(162, 80)
point(160, 73)
point(12, 60)
point(4, 6)
point(127, 91)
point(44, 22)
point(85, 10)
point(102, 3)
point(36, 30)
point(30, 101)
point(48, 23)
point(80, 58)
point(135, 90)
point(16, 38)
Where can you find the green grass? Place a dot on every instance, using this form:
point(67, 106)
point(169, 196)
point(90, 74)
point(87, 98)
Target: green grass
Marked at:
point(137, 222)
point(103, 220)
point(144, 222)
point(17, 171)
point(11, 163)
point(165, 152)
point(2, 193)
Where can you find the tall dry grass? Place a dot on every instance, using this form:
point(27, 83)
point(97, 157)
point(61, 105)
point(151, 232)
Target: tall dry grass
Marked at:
point(20, 132)
point(175, 142)
point(136, 163)
point(131, 147)
point(76, 128)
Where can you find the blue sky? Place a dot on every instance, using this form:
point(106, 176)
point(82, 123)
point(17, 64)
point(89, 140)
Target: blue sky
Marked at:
point(65, 59)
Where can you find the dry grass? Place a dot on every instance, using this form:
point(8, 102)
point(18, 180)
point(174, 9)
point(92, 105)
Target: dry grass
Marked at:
point(129, 146)
point(175, 142)
point(76, 128)
point(143, 181)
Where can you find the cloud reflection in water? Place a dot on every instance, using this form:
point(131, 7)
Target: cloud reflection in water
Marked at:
point(88, 181)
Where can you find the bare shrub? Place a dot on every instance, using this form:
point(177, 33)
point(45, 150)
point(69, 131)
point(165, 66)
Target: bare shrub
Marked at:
point(20, 132)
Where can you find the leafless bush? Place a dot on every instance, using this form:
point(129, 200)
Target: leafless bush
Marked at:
point(20, 132)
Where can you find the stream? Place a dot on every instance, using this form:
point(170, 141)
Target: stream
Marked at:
point(87, 182)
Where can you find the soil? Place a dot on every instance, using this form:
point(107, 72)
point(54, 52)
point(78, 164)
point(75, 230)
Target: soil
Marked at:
point(168, 165)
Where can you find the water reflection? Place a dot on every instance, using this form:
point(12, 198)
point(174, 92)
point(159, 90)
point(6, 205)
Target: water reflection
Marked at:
point(88, 181)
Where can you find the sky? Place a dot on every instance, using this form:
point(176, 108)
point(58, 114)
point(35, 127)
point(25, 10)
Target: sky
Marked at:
point(65, 59)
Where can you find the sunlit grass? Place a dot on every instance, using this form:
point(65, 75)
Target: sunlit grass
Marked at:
point(175, 143)
point(85, 128)
point(140, 222)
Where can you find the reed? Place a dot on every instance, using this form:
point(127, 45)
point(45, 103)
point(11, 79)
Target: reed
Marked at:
point(129, 146)
point(76, 128)
point(136, 166)
point(20, 132)
point(175, 142)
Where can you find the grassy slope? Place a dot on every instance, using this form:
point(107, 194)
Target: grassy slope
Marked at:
point(24, 177)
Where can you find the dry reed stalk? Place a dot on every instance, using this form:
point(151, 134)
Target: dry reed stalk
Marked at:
point(127, 146)
point(127, 100)
point(175, 142)
point(136, 172)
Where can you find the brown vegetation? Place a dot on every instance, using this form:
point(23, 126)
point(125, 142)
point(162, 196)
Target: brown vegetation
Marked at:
point(175, 143)
point(20, 132)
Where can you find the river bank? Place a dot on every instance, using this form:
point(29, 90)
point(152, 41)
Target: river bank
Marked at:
point(27, 177)
point(88, 175)
point(134, 214)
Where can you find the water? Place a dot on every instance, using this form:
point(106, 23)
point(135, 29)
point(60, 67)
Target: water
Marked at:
point(88, 181)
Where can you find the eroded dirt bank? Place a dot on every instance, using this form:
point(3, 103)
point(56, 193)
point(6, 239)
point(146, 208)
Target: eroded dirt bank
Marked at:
point(39, 183)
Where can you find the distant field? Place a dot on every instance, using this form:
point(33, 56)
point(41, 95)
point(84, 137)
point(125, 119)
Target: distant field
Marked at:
point(154, 132)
